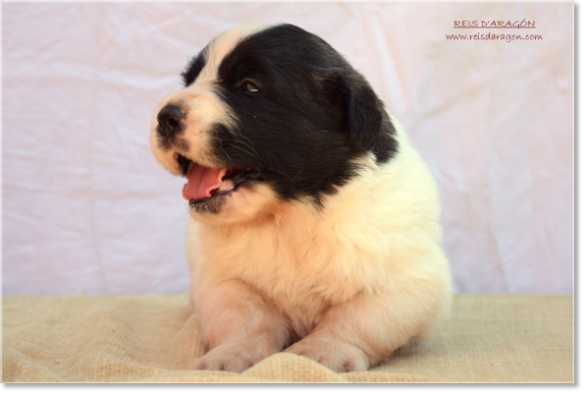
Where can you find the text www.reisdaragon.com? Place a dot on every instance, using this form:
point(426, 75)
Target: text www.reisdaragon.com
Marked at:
point(494, 37)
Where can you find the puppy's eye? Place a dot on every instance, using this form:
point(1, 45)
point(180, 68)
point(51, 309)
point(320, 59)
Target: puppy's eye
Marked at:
point(250, 87)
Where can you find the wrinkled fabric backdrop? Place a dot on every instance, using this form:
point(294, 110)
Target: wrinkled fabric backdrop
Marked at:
point(86, 208)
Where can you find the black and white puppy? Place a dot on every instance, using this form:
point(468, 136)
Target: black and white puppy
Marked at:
point(315, 225)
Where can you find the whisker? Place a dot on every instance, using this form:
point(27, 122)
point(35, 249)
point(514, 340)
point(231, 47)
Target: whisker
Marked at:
point(280, 172)
point(250, 145)
point(273, 168)
point(248, 149)
point(221, 146)
point(253, 154)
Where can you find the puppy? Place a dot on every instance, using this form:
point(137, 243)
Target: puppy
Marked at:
point(315, 225)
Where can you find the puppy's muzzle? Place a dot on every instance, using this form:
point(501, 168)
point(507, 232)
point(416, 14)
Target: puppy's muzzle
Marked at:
point(169, 121)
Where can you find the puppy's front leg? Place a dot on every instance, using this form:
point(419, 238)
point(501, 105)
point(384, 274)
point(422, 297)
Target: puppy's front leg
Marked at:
point(355, 335)
point(238, 326)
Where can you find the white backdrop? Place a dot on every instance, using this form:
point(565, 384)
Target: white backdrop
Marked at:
point(86, 209)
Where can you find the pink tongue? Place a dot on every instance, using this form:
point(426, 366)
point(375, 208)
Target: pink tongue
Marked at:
point(201, 181)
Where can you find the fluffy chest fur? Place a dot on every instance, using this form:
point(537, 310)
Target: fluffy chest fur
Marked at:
point(364, 240)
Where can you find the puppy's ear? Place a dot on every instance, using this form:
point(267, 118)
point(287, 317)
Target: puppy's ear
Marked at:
point(362, 108)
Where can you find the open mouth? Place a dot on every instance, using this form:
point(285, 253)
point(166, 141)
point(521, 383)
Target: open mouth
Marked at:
point(204, 183)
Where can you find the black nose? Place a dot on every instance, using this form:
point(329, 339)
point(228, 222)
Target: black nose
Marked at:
point(169, 120)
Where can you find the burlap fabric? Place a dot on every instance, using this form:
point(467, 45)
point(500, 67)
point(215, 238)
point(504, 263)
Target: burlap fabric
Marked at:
point(154, 338)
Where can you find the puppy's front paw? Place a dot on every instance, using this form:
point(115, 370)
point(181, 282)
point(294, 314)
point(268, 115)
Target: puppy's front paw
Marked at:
point(234, 357)
point(332, 353)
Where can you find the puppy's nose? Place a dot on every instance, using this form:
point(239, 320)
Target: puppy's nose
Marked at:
point(169, 120)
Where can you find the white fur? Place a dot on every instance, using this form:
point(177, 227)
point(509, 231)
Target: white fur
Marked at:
point(369, 265)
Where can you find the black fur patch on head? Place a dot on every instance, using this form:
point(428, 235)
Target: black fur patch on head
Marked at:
point(304, 115)
point(194, 67)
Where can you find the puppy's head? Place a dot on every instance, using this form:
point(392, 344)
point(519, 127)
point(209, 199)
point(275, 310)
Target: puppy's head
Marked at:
point(268, 114)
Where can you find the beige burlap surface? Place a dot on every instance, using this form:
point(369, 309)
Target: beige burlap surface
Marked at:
point(155, 338)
